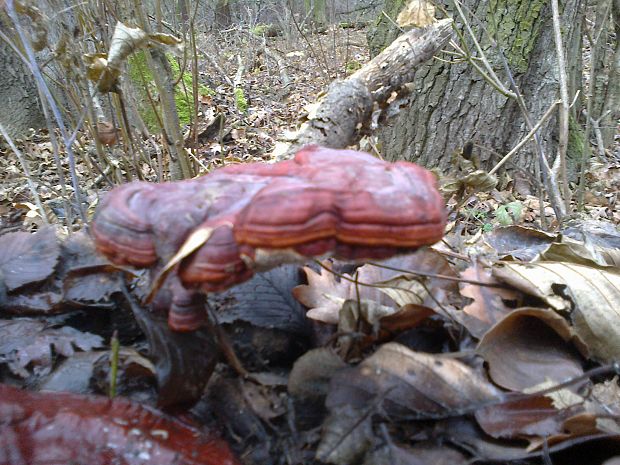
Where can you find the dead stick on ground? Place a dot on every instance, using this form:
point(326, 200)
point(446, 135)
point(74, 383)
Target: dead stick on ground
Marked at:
point(348, 104)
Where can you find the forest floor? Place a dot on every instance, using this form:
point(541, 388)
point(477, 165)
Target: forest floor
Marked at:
point(467, 364)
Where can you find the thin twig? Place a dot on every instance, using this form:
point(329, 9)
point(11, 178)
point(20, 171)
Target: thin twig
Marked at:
point(560, 161)
point(530, 134)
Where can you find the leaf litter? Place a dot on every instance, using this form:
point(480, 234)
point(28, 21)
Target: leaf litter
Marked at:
point(440, 358)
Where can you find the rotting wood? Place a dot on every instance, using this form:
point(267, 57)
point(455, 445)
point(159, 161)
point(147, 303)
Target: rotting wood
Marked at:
point(347, 106)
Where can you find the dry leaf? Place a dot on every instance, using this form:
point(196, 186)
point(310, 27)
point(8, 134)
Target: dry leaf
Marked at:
point(534, 416)
point(487, 305)
point(347, 434)
point(411, 382)
point(591, 295)
point(27, 258)
point(528, 347)
point(419, 13)
point(312, 372)
point(195, 240)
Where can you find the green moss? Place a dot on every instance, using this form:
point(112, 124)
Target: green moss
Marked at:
point(141, 75)
point(384, 31)
point(240, 100)
point(259, 29)
point(516, 27)
point(576, 144)
point(352, 66)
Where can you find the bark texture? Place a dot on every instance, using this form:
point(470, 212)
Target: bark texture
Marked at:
point(606, 85)
point(18, 94)
point(452, 103)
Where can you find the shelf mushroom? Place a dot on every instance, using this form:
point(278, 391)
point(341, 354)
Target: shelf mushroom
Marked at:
point(250, 217)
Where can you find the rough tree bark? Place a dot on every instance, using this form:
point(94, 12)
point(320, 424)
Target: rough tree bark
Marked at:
point(452, 103)
point(18, 93)
point(606, 86)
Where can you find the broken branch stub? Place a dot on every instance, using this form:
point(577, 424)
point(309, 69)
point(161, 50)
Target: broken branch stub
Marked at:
point(346, 108)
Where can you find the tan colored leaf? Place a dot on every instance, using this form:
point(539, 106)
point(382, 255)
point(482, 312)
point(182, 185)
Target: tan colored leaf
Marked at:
point(312, 372)
point(404, 290)
point(582, 253)
point(590, 295)
point(528, 347)
point(534, 416)
point(479, 181)
point(418, 13)
point(487, 305)
point(195, 240)
point(125, 40)
point(411, 382)
point(323, 295)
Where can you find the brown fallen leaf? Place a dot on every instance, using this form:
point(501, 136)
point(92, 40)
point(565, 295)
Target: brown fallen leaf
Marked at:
point(528, 347)
point(533, 416)
point(418, 454)
point(488, 303)
point(312, 372)
point(27, 258)
point(519, 242)
point(591, 297)
point(411, 382)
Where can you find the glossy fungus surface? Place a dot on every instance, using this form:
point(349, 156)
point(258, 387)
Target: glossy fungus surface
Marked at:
point(344, 203)
point(62, 428)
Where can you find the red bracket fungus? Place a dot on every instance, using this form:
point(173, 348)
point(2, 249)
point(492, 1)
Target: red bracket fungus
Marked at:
point(255, 216)
point(60, 428)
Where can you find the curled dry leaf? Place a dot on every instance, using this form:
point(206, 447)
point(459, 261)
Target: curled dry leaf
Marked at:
point(518, 241)
point(325, 293)
point(591, 296)
point(430, 385)
point(312, 372)
point(528, 347)
point(533, 416)
point(418, 13)
point(27, 258)
point(605, 400)
point(62, 428)
point(583, 253)
point(488, 303)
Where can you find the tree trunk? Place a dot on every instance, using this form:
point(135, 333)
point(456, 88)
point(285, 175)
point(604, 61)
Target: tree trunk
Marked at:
point(18, 93)
point(318, 13)
point(606, 85)
point(223, 15)
point(452, 104)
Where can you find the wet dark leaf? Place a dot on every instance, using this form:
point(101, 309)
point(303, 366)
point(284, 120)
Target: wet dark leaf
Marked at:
point(30, 344)
point(519, 242)
point(528, 347)
point(266, 301)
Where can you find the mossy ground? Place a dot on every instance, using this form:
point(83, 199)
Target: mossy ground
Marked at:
point(142, 77)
